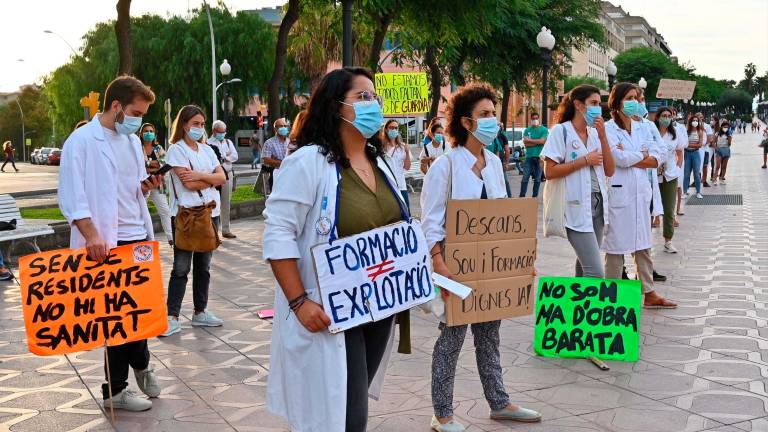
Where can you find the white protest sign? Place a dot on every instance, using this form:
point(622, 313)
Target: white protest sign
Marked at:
point(373, 275)
point(675, 89)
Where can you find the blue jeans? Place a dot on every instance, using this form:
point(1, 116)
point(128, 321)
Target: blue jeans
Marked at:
point(256, 158)
point(692, 164)
point(532, 169)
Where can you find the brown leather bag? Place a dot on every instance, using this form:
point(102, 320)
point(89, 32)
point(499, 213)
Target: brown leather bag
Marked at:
point(194, 229)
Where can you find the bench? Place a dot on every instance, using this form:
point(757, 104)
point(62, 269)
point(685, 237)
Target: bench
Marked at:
point(23, 233)
point(413, 177)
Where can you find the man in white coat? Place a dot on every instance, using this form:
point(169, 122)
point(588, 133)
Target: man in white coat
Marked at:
point(102, 189)
point(228, 154)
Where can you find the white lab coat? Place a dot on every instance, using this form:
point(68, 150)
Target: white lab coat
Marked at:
point(565, 148)
point(653, 173)
point(88, 185)
point(307, 382)
point(629, 224)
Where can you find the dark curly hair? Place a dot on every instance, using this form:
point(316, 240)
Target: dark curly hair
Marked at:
point(461, 105)
point(615, 100)
point(321, 124)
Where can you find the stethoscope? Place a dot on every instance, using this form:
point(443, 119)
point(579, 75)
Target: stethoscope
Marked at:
point(324, 226)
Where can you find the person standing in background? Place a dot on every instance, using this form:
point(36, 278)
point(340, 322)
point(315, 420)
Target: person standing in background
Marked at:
point(398, 151)
point(670, 170)
point(155, 156)
point(255, 143)
point(434, 148)
point(229, 156)
point(534, 137)
point(709, 152)
point(500, 147)
point(696, 139)
point(102, 193)
point(8, 151)
point(275, 150)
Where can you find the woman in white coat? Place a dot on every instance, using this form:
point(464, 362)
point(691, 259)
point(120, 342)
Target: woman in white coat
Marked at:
point(469, 171)
point(337, 183)
point(577, 151)
point(629, 227)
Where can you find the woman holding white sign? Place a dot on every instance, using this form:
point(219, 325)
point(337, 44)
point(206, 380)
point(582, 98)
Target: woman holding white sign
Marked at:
point(629, 227)
point(469, 171)
point(337, 183)
point(577, 150)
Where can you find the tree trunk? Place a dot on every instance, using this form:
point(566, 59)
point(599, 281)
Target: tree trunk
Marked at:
point(457, 71)
point(382, 25)
point(435, 80)
point(273, 90)
point(505, 88)
point(123, 33)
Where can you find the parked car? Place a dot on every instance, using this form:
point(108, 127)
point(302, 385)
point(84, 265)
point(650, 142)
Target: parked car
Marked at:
point(54, 157)
point(517, 149)
point(42, 157)
point(33, 156)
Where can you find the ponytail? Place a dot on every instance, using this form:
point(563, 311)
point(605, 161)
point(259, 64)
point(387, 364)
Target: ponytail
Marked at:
point(567, 110)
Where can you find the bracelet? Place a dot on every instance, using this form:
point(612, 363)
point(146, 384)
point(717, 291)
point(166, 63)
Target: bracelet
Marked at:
point(436, 253)
point(295, 308)
point(297, 301)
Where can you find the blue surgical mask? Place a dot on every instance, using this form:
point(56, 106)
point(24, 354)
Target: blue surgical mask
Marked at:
point(593, 113)
point(665, 121)
point(220, 136)
point(439, 138)
point(630, 108)
point(393, 133)
point(195, 133)
point(642, 110)
point(148, 136)
point(368, 117)
point(487, 130)
point(282, 131)
point(129, 125)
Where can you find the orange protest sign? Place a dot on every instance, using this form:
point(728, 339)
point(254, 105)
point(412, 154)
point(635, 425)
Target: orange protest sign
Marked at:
point(72, 304)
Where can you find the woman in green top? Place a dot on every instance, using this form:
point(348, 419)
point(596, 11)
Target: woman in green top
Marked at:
point(337, 183)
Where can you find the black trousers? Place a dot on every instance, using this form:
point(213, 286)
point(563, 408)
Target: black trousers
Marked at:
point(123, 357)
point(365, 348)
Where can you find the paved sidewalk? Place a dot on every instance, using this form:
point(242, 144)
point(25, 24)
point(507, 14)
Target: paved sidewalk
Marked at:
point(703, 366)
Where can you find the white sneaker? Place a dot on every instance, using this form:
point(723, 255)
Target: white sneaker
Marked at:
point(668, 248)
point(147, 382)
point(722, 181)
point(173, 327)
point(686, 195)
point(129, 401)
point(699, 196)
point(451, 426)
point(206, 319)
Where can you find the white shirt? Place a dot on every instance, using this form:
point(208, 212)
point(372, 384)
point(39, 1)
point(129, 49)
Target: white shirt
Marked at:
point(203, 160)
point(397, 154)
point(708, 131)
point(130, 224)
point(673, 145)
point(465, 185)
point(578, 184)
point(88, 183)
point(227, 150)
point(430, 150)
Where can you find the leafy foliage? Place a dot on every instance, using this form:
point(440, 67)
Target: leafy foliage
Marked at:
point(36, 121)
point(573, 81)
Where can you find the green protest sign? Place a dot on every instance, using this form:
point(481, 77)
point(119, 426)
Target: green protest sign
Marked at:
point(587, 317)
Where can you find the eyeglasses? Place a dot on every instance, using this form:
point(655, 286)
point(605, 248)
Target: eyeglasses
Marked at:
point(367, 96)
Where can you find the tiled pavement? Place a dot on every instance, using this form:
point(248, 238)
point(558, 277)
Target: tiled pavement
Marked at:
point(703, 366)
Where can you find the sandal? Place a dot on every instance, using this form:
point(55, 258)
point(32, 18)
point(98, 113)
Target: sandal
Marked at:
point(660, 304)
point(676, 223)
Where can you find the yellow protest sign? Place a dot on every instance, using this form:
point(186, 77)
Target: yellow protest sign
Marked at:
point(72, 304)
point(403, 93)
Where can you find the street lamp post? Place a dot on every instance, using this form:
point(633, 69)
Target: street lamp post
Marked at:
point(62, 38)
point(643, 84)
point(610, 69)
point(525, 104)
point(225, 70)
point(213, 60)
point(546, 43)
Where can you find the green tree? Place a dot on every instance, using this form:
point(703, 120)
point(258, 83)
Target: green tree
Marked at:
point(572, 81)
point(292, 12)
point(748, 83)
point(648, 63)
point(37, 123)
point(736, 99)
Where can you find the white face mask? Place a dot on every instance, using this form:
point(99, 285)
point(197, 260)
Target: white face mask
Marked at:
point(535, 122)
point(695, 124)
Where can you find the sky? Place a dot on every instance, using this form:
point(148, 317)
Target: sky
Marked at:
point(717, 37)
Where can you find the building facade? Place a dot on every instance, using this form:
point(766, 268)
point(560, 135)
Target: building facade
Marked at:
point(593, 60)
point(637, 31)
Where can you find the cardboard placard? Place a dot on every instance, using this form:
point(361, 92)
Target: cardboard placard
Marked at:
point(587, 317)
point(675, 89)
point(491, 300)
point(403, 93)
point(373, 275)
point(72, 304)
point(491, 247)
